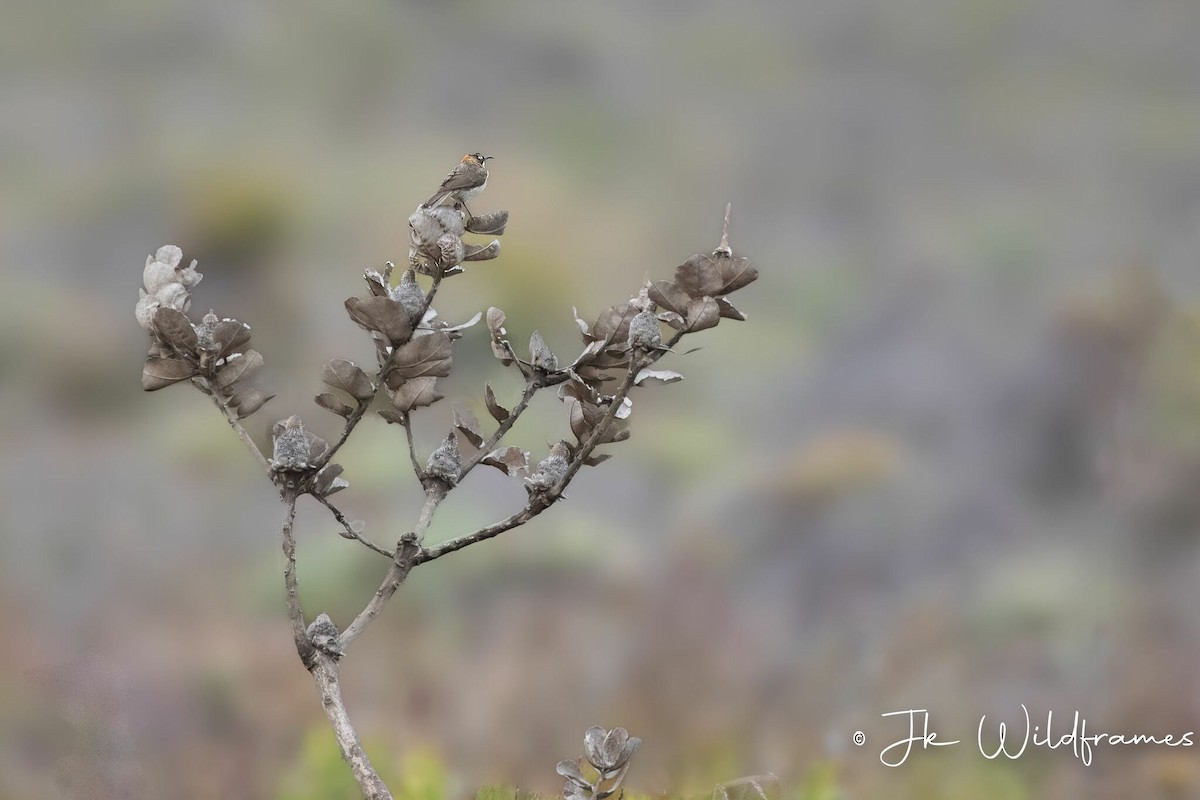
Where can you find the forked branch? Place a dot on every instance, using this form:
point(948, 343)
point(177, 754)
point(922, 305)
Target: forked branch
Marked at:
point(413, 349)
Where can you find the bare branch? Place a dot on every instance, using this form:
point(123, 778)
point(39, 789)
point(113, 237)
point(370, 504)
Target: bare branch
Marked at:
point(437, 281)
point(303, 646)
point(516, 520)
point(539, 503)
point(408, 551)
point(406, 423)
point(351, 421)
point(325, 673)
point(435, 493)
point(350, 532)
point(235, 423)
point(522, 366)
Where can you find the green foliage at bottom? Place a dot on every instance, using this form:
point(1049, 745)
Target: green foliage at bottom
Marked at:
point(319, 772)
point(504, 793)
point(820, 783)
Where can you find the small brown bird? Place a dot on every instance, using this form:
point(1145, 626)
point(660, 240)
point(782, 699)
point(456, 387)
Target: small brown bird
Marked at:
point(466, 180)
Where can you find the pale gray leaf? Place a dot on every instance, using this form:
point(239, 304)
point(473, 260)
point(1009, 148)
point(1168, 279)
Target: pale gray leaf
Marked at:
point(658, 376)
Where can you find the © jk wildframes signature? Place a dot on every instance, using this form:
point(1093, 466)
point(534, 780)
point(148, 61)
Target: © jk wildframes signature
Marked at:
point(999, 739)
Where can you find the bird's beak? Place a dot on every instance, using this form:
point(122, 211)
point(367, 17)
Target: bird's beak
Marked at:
point(488, 158)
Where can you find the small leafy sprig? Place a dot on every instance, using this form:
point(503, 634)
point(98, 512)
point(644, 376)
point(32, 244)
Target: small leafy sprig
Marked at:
point(608, 753)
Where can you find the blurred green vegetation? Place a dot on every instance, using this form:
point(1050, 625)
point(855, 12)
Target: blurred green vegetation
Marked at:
point(422, 777)
point(319, 773)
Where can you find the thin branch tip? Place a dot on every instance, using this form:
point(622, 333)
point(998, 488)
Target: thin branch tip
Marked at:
point(231, 418)
point(723, 249)
point(350, 533)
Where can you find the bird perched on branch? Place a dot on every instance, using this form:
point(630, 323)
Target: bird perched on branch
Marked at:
point(464, 182)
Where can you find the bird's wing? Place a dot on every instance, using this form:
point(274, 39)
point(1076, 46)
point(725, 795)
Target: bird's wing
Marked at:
point(464, 176)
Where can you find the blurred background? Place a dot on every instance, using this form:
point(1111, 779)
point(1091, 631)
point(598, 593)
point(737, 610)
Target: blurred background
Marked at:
point(951, 462)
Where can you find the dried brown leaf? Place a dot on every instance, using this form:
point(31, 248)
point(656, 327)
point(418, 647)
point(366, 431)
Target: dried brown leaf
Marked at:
point(613, 324)
point(703, 313)
point(595, 376)
point(728, 311)
point(377, 285)
point(175, 329)
point(331, 401)
point(424, 356)
point(416, 393)
point(317, 448)
point(381, 315)
point(577, 417)
point(714, 276)
point(699, 277)
point(158, 373)
point(674, 320)
point(619, 431)
point(468, 425)
point(498, 412)
point(610, 330)
point(495, 322)
point(248, 401)
point(474, 252)
point(669, 296)
point(569, 769)
point(512, 461)
point(490, 224)
point(350, 378)
point(229, 336)
point(584, 414)
point(735, 273)
point(235, 369)
point(391, 415)
point(325, 479)
point(579, 390)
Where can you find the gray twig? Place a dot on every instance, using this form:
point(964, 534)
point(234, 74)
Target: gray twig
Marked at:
point(325, 673)
point(353, 534)
point(408, 552)
point(236, 424)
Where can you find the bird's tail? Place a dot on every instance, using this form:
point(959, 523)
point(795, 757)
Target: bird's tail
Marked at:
point(435, 199)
